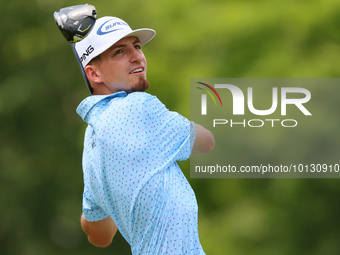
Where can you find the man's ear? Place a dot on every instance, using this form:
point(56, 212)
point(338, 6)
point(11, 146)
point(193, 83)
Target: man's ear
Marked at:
point(92, 74)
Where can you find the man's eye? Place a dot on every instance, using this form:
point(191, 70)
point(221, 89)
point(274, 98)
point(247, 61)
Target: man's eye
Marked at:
point(138, 47)
point(118, 52)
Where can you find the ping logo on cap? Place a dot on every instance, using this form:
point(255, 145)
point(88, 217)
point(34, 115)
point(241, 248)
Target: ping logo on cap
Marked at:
point(87, 53)
point(107, 27)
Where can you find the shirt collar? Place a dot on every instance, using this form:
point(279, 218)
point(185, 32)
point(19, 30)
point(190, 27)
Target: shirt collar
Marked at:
point(86, 105)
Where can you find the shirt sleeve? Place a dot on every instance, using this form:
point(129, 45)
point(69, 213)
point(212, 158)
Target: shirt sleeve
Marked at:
point(170, 133)
point(92, 211)
point(192, 135)
point(140, 131)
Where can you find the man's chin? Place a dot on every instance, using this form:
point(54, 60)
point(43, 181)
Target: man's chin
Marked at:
point(142, 85)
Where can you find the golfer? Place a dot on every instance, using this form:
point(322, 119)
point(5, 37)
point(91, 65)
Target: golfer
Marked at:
point(131, 178)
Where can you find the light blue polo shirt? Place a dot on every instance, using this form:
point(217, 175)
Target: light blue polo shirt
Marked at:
point(131, 146)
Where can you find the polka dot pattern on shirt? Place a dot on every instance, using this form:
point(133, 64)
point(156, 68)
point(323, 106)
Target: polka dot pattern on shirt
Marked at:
point(131, 146)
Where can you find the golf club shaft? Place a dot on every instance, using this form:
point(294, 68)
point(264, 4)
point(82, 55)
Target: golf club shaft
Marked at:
point(82, 68)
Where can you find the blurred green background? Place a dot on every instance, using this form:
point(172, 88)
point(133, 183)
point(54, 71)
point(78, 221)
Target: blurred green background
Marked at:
point(41, 136)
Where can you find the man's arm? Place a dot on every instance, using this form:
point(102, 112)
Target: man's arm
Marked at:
point(204, 141)
point(100, 233)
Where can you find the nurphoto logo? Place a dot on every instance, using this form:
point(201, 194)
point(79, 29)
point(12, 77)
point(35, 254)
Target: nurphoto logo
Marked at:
point(243, 99)
point(267, 127)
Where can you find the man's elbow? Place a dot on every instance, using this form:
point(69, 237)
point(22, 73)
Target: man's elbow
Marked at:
point(99, 233)
point(205, 145)
point(100, 242)
point(210, 144)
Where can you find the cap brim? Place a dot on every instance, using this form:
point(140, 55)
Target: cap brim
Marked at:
point(144, 35)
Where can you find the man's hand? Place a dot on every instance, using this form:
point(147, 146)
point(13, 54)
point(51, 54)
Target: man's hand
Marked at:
point(204, 141)
point(100, 233)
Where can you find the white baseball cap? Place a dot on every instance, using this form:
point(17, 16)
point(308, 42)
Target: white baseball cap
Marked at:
point(105, 33)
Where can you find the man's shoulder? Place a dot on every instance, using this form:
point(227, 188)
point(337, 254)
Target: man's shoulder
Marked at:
point(136, 103)
point(142, 99)
point(140, 96)
point(95, 103)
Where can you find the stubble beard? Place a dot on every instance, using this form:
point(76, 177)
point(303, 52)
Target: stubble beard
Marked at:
point(142, 85)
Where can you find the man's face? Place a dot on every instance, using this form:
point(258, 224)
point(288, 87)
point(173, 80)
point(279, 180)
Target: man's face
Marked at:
point(123, 66)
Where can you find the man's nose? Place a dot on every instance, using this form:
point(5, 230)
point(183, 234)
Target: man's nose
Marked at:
point(136, 55)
